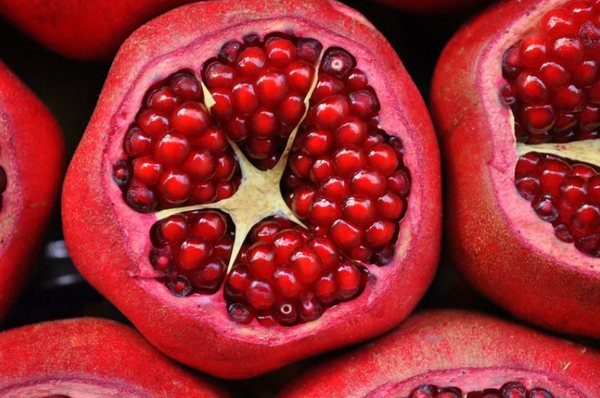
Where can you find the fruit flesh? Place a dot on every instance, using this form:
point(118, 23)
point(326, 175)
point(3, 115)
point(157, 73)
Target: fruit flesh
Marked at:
point(456, 354)
point(90, 358)
point(345, 178)
point(554, 75)
point(197, 331)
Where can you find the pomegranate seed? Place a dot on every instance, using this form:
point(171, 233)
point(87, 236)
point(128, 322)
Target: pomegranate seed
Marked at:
point(244, 98)
point(363, 103)
point(534, 50)
point(327, 86)
point(308, 49)
point(136, 143)
point(558, 22)
point(300, 76)
point(369, 183)
point(325, 288)
point(383, 159)
point(208, 278)
point(302, 200)
point(261, 260)
point(356, 80)
point(390, 206)
point(344, 234)
point(272, 87)
point(260, 294)
point(334, 188)
point(306, 264)
point(338, 62)
point(239, 313)
point(186, 87)
point(286, 282)
point(348, 161)
point(330, 112)
point(175, 228)
point(172, 149)
point(380, 233)
point(162, 260)
point(553, 75)
point(359, 210)
point(250, 61)
point(309, 307)
point(286, 313)
point(210, 225)
point(223, 107)
point(141, 198)
point(291, 110)
point(180, 286)
point(201, 165)
point(174, 186)
point(326, 251)
point(321, 169)
point(121, 175)
point(193, 253)
point(217, 74)
point(546, 207)
point(317, 142)
point(350, 133)
point(323, 211)
point(513, 390)
point(226, 166)
point(528, 184)
point(152, 122)
point(347, 277)
point(285, 242)
point(204, 192)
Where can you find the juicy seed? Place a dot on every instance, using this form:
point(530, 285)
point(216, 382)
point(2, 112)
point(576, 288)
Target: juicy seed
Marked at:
point(509, 390)
point(565, 195)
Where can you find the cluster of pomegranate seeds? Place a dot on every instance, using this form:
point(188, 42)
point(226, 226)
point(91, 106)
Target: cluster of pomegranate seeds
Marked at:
point(176, 155)
point(346, 177)
point(286, 275)
point(191, 251)
point(508, 390)
point(259, 89)
point(554, 76)
point(553, 89)
point(564, 194)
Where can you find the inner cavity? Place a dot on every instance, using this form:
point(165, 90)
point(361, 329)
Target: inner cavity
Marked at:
point(553, 89)
point(508, 390)
point(345, 178)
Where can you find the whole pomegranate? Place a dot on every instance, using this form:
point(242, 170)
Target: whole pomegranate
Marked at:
point(31, 167)
point(515, 101)
point(435, 6)
point(89, 30)
point(456, 354)
point(91, 358)
point(258, 184)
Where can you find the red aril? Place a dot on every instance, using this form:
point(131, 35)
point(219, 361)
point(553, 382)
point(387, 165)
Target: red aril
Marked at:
point(32, 157)
point(456, 354)
point(522, 161)
point(91, 358)
point(234, 260)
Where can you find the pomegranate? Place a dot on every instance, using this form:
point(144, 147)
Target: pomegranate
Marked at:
point(435, 6)
point(258, 187)
point(456, 354)
point(89, 30)
point(91, 358)
point(31, 167)
point(516, 113)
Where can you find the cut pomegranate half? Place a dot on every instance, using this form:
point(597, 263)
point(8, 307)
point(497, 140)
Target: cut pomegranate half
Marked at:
point(32, 160)
point(91, 358)
point(456, 354)
point(257, 180)
point(523, 164)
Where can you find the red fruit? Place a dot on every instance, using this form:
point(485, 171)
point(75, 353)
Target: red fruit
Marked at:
point(45, 363)
point(31, 166)
point(234, 279)
point(89, 29)
point(526, 212)
point(447, 354)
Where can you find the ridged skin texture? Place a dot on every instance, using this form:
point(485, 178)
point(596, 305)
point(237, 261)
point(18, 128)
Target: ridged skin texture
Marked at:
point(199, 333)
point(460, 349)
point(95, 354)
point(435, 6)
point(33, 151)
point(89, 30)
point(501, 262)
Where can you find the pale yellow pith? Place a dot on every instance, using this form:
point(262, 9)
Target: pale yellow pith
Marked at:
point(259, 195)
point(587, 151)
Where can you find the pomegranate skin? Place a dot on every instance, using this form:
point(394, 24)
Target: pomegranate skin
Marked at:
point(89, 30)
point(33, 157)
point(435, 6)
point(554, 286)
point(196, 330)
point(454, 348)
point(84, 357)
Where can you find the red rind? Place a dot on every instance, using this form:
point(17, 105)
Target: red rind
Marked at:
point(502, 263)
point(32, 144)
point(454, 349)
point(92, 353)
point(96, 233)
point(435, 6)
point(89, 30)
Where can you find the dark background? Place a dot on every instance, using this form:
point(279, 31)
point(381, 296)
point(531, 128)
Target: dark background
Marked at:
point(71, 88)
